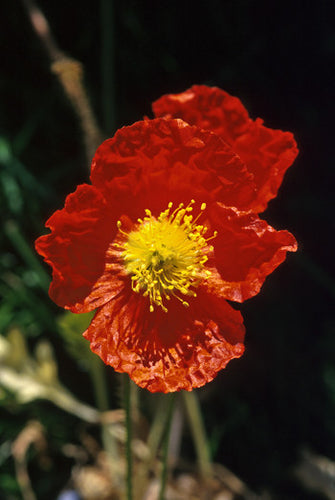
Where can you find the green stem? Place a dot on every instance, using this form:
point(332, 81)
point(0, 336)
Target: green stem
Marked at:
point(158, 425)
point(156, 433)
point(166, 446)
point(127, 405)
point(97, 371)
point(193, 411)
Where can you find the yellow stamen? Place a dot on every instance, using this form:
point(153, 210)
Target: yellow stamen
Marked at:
point(165, 256)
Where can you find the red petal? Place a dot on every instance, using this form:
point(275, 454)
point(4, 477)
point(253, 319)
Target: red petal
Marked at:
point(209, 108)
point(267, 153)
point(247, 250)
point(157, 161)
point(76, 250)
point(167, 352)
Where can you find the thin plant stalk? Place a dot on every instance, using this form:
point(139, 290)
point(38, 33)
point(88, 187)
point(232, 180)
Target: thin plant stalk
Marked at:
point(158, 426)
point(101, 395)
point(97, 372)
point(200, 440)
point(154, 440)
point(166, 440)
point(129, 458)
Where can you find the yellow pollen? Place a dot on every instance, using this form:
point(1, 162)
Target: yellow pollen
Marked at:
point(165, 256)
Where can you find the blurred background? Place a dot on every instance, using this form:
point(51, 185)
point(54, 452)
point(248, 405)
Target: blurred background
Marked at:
point(270, 416)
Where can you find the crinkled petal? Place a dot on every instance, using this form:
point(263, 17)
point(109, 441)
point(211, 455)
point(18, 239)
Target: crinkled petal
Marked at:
point(246, 251)
point(76, 249)
point(209, 108)
point(167, 352)
point(267, 153)
point(164, 160)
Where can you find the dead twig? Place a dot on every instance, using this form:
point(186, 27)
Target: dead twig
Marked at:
point(70, 75)
point(33, 433)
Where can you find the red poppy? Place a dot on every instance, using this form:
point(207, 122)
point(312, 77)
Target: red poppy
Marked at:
point(267, 153)
point(156, 245)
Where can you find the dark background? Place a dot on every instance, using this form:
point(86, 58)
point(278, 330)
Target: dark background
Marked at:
point(278, 58)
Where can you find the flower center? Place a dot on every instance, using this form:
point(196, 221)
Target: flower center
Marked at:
point(165, 256)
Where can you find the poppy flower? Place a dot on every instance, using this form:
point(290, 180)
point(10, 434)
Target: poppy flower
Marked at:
point(267, 153)
point(157, 244)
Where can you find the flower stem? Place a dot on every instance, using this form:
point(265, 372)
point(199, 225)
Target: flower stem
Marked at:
point(193, 411)
point(97, 372)
point(158, 425)
point(166, 446)
point(127, 405)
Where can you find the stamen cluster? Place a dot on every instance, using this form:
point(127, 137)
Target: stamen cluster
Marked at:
point(165, 256)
